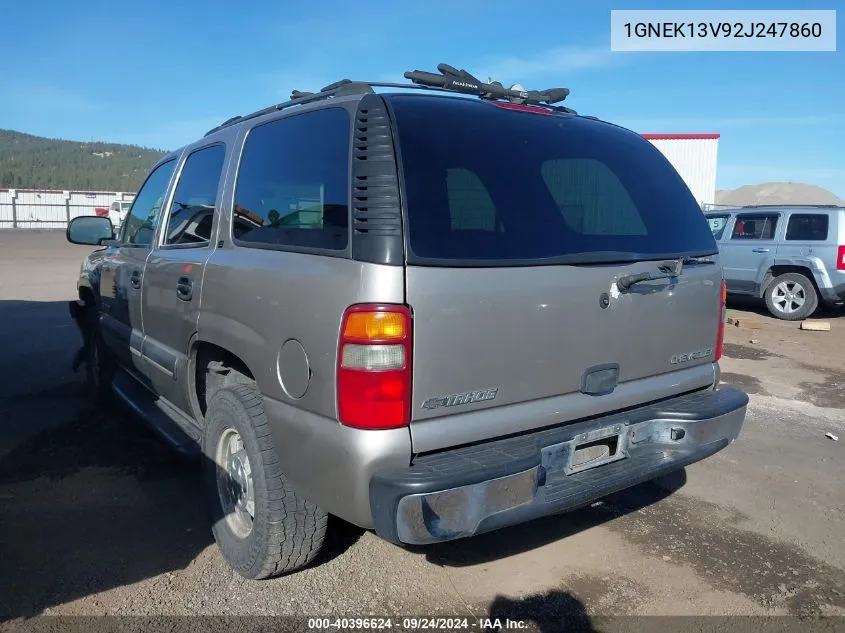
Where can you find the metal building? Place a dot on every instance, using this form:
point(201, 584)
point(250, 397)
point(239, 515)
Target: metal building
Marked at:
point(694, 157)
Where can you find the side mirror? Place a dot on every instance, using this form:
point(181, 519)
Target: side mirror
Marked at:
point(90, 230)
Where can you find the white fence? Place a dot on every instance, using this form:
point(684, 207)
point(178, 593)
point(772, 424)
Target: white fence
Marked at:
point(48, 209)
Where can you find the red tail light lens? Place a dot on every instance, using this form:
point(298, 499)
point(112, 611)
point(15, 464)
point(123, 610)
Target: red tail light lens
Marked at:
point(840, 258)
point(374, 367)
point(522, 108)
point(720, 338)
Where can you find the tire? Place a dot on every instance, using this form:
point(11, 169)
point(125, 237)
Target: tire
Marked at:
point(99, 366)
point(283, 532)
point(791, 297)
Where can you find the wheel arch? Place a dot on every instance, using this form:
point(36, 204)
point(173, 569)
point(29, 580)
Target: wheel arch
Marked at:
point(86, 293)
point(776, 270)
point(211, 367)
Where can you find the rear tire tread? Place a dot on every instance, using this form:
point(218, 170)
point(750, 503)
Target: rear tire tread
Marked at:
point(295, 528)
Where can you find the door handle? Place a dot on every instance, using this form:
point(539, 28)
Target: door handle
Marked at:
point(135, 279)
point(759, 250)
point(185, 288)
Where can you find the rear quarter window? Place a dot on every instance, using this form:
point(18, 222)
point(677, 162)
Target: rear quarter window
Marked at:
point(484, 184)
point(292, 188)
point(807, 227)
point(717, 225)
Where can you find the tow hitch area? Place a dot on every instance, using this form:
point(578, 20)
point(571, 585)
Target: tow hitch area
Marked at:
point(587, 450)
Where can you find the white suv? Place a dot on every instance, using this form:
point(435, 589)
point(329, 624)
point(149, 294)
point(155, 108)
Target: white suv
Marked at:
point(118, 212)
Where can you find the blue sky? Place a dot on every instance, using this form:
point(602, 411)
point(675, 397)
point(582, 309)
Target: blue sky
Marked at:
point(160, 73)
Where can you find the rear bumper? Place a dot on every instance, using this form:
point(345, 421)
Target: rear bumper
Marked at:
point(466, 491)
point(835, 294)
point(830, 282)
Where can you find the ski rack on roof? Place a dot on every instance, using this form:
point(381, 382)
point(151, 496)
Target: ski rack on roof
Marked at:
point(454, 80)
point(449, 79)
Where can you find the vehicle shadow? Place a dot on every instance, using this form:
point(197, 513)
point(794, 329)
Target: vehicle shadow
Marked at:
point(90, 498)
point(548, 612)
point(527, 536)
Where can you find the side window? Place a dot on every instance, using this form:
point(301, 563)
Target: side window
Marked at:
point(717, 225)
point(591, 198)
point(807, 227)
point(755, 227)
point(192, 210)
point(293, 182)
point(140, 225)
point(470, 206)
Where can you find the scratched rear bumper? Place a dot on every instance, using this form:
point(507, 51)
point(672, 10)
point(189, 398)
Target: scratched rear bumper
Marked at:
point(471, 490)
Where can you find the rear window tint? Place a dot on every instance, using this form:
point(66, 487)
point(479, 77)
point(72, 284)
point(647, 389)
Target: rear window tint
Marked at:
point(292, 189)
point(591, 198)
point(470, 206)
point(807, 227)
point(487, 184)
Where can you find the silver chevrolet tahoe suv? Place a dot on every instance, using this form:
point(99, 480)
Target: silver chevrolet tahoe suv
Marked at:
point(427, 314)
point(792, 256)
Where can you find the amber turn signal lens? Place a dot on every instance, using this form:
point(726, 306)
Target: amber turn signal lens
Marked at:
point(375, 326)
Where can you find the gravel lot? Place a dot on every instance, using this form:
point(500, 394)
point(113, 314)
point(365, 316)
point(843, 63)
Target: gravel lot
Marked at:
point(98, 517)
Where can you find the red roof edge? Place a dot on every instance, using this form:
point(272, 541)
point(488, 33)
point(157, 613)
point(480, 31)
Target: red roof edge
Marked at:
point(679, 137)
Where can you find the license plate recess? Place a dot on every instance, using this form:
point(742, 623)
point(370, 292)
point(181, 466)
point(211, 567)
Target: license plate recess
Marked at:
point(587, 450)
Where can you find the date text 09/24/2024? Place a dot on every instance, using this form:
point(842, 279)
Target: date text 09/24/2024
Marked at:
point(416, 624)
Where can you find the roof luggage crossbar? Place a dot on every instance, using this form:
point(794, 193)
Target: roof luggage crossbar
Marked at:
point(449, 79)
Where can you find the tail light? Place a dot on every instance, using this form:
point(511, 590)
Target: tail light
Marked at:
point(720, 338)
point(374, 367)
point(840, 258)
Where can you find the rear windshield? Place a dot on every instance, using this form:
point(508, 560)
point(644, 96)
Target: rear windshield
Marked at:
point(485, 184)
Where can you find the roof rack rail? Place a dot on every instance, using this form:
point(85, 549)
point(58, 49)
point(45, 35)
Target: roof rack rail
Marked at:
point(450, 79)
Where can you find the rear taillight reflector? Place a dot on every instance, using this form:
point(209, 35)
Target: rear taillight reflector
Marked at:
point(720, 337)
point(374, 367)
point(840, 258)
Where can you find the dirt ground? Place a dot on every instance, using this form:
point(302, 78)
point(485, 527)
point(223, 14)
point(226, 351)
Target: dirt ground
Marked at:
point(97, 517)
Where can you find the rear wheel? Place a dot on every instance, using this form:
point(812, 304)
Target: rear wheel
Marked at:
point(262, 527)
point(791, 297)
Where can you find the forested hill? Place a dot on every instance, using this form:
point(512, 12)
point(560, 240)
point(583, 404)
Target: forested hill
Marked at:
point(35, 162)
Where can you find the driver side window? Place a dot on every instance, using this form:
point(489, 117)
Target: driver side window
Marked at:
point(142, 219)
